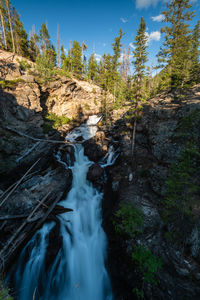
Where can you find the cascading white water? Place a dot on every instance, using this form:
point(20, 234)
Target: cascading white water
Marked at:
point(78, 271)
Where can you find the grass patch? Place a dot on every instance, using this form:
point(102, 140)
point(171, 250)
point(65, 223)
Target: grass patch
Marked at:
point(8, 84)
point(52, 121)
point(24, 65)
point(61, 72)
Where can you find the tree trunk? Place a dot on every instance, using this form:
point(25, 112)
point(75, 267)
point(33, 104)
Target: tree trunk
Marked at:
point(3, 27)
point(58, 46)
point(10, 24)
point(133, 137)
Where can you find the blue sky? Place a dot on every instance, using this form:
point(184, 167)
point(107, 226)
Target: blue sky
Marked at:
point(97, 22)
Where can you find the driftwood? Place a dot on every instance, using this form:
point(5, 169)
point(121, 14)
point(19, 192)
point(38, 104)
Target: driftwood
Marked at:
point(18, 183)
point(58, 198)
point(33, 138)
point(28, 228)
point(11, 242)
point(60, 210)
point(11, 186)
point(57, 210)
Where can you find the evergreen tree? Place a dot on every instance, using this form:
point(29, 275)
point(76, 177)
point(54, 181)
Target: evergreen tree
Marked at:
point(44, 66)
point(20, 36)
point(33, 47)
point(44, 37)
point(106, 72)
point(52, 55)
point(140, 58)
point(62, 56)
point(2, 18)
point(176, 51)
point(77, 66)
point(195, 64)
point(92, 68)
point(115, 58)
point(10, 34)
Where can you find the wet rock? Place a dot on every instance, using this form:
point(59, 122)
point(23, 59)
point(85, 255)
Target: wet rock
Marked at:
point(95, 172)
point(93, 150)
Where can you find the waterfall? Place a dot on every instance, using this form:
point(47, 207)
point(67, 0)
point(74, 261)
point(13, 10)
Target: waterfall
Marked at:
point(78, 271)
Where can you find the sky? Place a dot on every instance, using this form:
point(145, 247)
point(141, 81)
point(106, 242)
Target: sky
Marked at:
point(97, 23)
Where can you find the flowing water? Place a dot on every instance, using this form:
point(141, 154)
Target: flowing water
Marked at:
point(78, 271)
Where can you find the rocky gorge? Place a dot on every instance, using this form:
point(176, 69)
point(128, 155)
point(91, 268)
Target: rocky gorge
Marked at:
point(168, 122)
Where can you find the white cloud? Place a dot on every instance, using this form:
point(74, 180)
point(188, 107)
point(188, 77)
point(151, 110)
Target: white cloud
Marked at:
point(153, 36)
point(145, 3)
point(104, 44)
point(124, 20)
point(132, 46)
point(97, 57)
point(158, 18)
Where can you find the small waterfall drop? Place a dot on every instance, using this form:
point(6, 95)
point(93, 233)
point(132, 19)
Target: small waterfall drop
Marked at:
point(78, 271)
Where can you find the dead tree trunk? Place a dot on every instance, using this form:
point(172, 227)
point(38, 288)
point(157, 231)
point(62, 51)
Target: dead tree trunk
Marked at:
point(10, 24)
point(58, 46)
point(133, 137)
point(3, 27)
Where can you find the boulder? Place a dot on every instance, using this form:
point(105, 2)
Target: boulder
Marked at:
point(95, 172)
point(93, 150)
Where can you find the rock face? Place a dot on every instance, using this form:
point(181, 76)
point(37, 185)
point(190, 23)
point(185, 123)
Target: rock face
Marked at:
point(23, 106)
point(74, 98)
point(161, 134)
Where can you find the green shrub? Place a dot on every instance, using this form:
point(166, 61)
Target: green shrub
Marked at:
point(148, 264)
point(52, 121)
point(45, 67)
point(4, 293)
point(129, 220)
point(24, 65)
point(182, 188)
point(62, 72)
point(8, 84)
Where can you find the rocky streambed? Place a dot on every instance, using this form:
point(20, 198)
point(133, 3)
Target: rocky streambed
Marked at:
point(169, 121)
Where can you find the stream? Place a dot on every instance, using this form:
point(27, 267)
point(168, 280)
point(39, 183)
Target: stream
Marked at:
point(78, 270)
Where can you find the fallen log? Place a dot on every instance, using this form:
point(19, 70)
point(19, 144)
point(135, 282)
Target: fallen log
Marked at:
point(57, 210)
point(19, 237)
point(60, 210)
point(11, 186)
point(58, 198)
point(13, 241)
point(18, 183)
point(33, 138)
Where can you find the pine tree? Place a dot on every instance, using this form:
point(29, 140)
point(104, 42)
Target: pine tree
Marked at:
point(115, 75)
point(176, 51)
point(9, 20)
point(2, 16)
point(77, 66)
point(58, 46)
point(44, 37)
point(20, 36)
point(92, 68)
point(140, 58)
point(62, 56)
point(33, 47)
point(195, 52)
point(106, 72)
point(44, 66)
